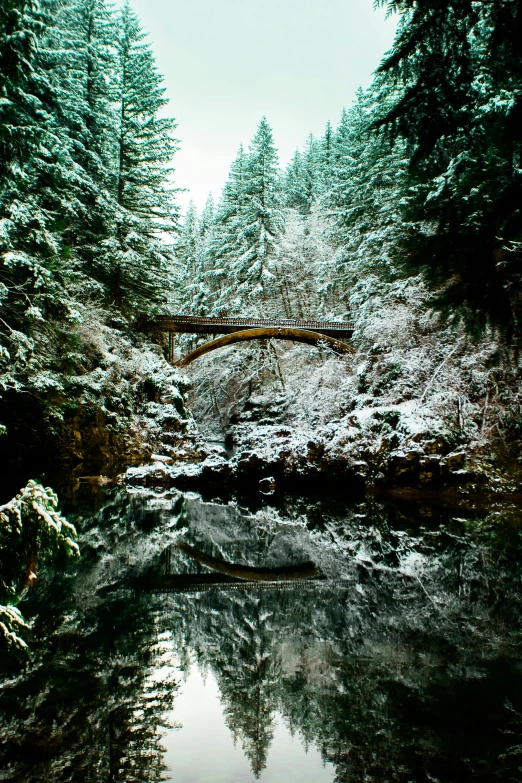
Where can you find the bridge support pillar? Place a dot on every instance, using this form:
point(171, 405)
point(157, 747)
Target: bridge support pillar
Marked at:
point(172, 345)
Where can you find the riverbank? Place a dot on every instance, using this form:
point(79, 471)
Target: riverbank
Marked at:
point(374, 449)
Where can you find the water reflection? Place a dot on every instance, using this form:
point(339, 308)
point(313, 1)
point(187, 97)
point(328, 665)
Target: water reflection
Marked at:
point(199, 710)
point(401, 663)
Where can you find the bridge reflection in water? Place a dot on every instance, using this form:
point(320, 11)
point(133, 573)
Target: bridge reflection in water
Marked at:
point(225, 575)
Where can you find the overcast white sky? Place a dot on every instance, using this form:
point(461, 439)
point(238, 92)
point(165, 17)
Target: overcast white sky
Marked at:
point(228, 62)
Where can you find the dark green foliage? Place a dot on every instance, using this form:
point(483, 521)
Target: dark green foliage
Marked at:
point(137, 258)
point(80, 36)
point(363, 200)
point(38, 185)
point(36, 172)
point(85, 195)
point(240, 251)
point(457, 77)
point(33, 533)
point(303, 178)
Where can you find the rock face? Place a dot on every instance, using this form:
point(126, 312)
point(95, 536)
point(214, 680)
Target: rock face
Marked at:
point(376, 448)
point(158, 424)
point(455, 461)
point(403, 464)
point(421, 464)
point(429, 463)
point(86, 438)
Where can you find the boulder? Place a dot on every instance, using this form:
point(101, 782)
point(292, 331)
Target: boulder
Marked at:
point(404, 463)
point(248, 463)
point(435, 446)
point(267, 485)
point(429, 468)
point(216, 468)
point(161, 458)
point(455, 461)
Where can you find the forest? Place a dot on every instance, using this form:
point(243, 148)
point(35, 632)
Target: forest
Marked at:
point(403, 218)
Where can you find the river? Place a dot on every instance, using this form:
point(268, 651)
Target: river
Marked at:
point(284, 638)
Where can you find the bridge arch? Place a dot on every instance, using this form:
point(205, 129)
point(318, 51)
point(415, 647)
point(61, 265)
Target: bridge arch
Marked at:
point(274, 333)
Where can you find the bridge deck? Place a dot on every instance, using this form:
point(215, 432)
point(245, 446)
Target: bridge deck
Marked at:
point(201, 325)
point(198, 583)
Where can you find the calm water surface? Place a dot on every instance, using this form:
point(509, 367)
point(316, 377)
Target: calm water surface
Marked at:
point(297, 639)
point(220, 758)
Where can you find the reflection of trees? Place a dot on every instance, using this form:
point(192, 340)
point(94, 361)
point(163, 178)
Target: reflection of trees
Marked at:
point(400, 673)
point(249, 687)
point(86, 707)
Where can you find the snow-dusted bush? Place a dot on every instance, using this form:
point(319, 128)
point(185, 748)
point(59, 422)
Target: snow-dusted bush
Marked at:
point(31, 530)
point(100, 379)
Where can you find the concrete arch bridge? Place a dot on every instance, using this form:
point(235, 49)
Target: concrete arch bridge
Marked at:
point(236, 330)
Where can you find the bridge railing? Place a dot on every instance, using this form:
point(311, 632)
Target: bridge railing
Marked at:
point(185, 322)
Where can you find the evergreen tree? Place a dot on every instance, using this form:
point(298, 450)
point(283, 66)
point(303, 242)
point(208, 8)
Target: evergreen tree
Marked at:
point(302, 182)
point(227, 235)
point(232, 196)
point(34, 161)
point(81, 38)
point(325, 157)
point(293, 182)
point(341, 140)
point(205, 235)
point(207, 216)
point(138, 259)
point(206, 277)
point(186, 248)
point(363, 204)
point(260, 223)
point(85, 200)
point(196, 253)
point(457, 79)
point(37, 178)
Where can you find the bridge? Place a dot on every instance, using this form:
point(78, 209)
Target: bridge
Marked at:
point(239, 329)
point(224, 575)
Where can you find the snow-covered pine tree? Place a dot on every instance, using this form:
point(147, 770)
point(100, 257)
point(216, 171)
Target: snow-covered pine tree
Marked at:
point(363, 203)
point(208, 215)
point(311, 173)
point(260, 223)
point(186, 246)
point(302, 181)
point(293, 182)
point(194, 253)
point(456, 74)
point(139, 258)
point(36, 202)
point(206, 274)
point(81, 37)
point(226, 236)
point(35, 167)
point(341, 137)
point(325, 154)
